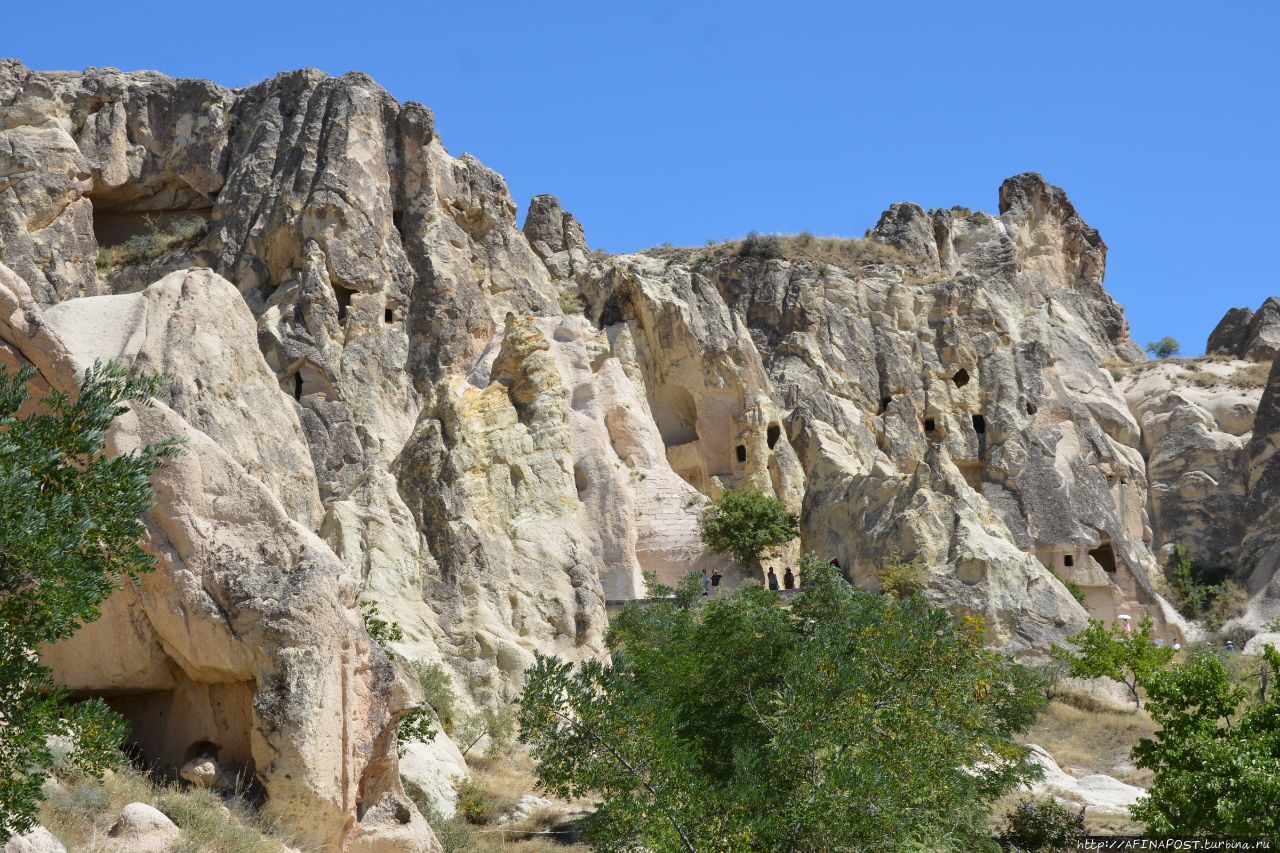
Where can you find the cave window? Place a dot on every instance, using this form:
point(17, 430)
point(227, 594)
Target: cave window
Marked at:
point(1105, 557)
point(979, 424)
point(1068, 560)
point(773, 434)
point(742, 453)
point(388, 316)
point(961, 378)
point(344, 301)
point(297, 386)
point(929, 425)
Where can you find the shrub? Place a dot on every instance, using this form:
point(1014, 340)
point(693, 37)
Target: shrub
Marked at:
point(1201, 592)
point(760, 246)
point(1042, 824)
point(475, 804)
point(499, 726)
point(1164, 348)
point(156, 241)
point(381, 631)
point(1229, 601)
point(899, 578)
point(454, 833)
point(437, 691)
point(1077, 592)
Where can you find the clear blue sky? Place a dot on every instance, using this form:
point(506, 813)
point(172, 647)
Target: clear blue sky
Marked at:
point(685, 121)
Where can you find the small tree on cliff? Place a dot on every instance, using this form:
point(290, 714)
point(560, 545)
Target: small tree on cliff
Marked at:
point(69, 535)
point(746, 524)
point(1164, 347)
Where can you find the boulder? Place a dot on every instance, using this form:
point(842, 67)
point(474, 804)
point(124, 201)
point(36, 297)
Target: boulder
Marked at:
point(142, 829)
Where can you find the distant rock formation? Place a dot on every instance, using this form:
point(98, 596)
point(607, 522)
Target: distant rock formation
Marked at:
point(1243, 333)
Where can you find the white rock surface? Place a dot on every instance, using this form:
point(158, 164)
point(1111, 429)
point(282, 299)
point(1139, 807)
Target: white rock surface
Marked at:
point(434, 768)
point(38, 840)
point(1101, 793)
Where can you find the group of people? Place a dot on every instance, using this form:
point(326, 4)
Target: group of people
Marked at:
point(789, 579)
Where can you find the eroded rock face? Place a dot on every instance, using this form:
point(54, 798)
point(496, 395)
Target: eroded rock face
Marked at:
point(1196, 419)
point(392, 391)
point(1243, 333)
point(245, 644)
point(1260, 550)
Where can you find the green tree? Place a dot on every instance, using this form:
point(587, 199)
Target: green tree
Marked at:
point(1164, 347)
point(849, 721)
point(70, 534)
point(747, 524)
point(1215, 757)
point(1126, 657)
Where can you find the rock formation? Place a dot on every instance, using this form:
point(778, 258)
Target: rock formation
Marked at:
point(1259, 561)
point(391, 392)
point(1245, 334)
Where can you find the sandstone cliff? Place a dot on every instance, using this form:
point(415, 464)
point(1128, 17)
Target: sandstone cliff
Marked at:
point(393, 391)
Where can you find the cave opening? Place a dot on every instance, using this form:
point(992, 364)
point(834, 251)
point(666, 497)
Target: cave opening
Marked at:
point(1105, 556)
point(961, 378)
point(579, 480)
point(979, 424)
point(344, 301)
point(307, 380)
point(1068, 560)
point(773, 434)
point(1031, 408)
point(388, 316)
point(741, 450)
point(884, 404)
point(676, 414)
point(930, 425)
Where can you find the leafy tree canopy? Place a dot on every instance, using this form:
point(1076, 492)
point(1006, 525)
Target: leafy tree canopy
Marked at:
point(70, 533)
point(747, 524)
point(1164, 348)
point(1216, 756)
point(848, 721)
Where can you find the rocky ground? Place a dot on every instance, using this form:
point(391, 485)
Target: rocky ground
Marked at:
point(394, 392)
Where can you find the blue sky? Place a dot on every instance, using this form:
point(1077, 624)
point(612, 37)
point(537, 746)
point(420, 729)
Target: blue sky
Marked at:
point(685, 121)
